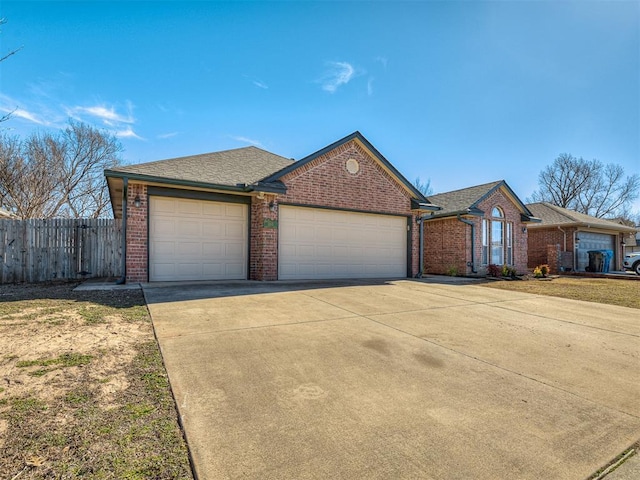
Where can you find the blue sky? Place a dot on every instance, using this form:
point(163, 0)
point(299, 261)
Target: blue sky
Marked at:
point(460, 93)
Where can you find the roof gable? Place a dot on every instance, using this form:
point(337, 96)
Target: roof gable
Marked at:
point(367, 146)
point(465, 201)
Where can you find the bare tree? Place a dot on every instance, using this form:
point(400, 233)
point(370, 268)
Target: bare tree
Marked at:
point(6, 116)
point(57, 174)
point(423, 187)
point(589, 187)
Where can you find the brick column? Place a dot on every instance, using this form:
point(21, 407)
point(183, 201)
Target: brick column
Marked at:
point(553, 258)
point(137, 235)
point(263, 262)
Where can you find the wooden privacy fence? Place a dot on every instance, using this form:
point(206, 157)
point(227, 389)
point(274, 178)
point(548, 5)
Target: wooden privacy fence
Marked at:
point(59, 249)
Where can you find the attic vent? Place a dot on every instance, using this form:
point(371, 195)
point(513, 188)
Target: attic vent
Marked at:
point(352, 166)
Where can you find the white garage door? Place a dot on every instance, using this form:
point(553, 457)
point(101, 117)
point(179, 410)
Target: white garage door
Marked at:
point(196, 240)
point(592, 241)
point(320, 243)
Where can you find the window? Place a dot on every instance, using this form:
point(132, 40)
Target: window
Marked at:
point(497, 239)
point(485, 241)
point(509, 243)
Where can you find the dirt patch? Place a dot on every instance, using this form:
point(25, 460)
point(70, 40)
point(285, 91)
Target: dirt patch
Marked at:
point(83, 391)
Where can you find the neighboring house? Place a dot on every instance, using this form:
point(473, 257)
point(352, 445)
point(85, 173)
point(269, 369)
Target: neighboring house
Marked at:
point(564, 237)
point(476, 226)
point(342, 212)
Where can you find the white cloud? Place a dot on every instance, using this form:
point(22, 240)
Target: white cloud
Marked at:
point(247, 140)
point(260, 84)
point(24, 114)
point(44, 108)
point(108, 115)
point(337, 74)
point(167, 135)
point(127, 132)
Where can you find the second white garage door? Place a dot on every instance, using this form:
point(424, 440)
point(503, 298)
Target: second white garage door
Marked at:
point(324, 244)
point(196, 239)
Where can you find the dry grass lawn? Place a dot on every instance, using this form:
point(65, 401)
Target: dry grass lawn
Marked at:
point(622, 292)
point(83, 390)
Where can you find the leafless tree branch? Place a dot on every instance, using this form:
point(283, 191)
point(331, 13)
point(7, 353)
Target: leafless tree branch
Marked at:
point(57, 174)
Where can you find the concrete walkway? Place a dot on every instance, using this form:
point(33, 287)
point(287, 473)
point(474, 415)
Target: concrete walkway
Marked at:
point(401, 379)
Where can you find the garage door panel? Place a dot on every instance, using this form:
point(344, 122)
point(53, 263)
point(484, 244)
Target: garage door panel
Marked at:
point(164, 205)
point(189, 270)
point(197, 239)
point(188, 249)
point(163, 248)
point(212, 249)
point(212, 209)
point(322, 243)
point(233, 250)
point(192, 208)
point(237, 211)
point(212, 229)
point(187, 228)
point(234, 230)
point(234, 270)
point(163, 269)
point(163, 226)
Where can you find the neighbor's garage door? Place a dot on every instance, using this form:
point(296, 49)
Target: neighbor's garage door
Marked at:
point(593, 241)
point(320, 243)
point(196, 239)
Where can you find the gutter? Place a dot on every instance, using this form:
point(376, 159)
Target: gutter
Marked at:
point(239, 188)
point(473, 242)
point(125, 191)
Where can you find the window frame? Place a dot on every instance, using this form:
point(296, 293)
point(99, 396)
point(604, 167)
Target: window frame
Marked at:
point(497, 223)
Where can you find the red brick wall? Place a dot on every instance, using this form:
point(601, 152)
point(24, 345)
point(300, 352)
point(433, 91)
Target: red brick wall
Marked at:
point(326, 182)
point(448, 241)
point(446, 246)
point(137, 234)
point(540, 238)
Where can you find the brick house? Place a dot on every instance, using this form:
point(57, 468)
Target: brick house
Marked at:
point(475, 227)
point(341, 212)
point(564, 237)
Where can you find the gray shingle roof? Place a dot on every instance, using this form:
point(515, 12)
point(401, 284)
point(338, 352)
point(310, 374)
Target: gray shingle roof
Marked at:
point(245, 165)
point(462, 200)
point(552, 215)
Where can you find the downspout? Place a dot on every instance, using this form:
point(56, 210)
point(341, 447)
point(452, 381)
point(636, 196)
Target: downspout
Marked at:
point(420, 221)
point(125, 192)
point(473, 242)
point(565, 238)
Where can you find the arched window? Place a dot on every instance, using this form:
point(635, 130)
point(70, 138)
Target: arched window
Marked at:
point(497, 239)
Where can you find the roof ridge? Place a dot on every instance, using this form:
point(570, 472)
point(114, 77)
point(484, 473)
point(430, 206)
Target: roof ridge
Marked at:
point(195, 155)
point(494, 183)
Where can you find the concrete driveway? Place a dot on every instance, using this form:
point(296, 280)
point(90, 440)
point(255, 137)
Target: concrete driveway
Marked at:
point(398, 379)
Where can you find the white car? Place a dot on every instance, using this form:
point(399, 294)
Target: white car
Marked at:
point(632, 262)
